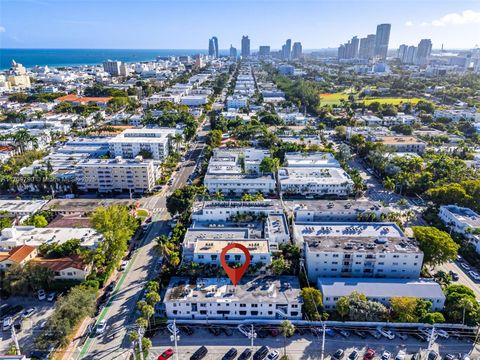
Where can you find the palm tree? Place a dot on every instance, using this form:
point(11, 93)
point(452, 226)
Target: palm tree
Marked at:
point(389, 184)
point(177, 140)
point(287, 329)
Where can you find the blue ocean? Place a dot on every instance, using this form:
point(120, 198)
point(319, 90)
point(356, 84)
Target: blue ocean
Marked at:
point(76, 57)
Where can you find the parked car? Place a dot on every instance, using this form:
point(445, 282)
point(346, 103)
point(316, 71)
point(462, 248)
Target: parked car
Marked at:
point(111, 286)
point(454, 276)
point(41, 294)
point(260, 353)
point(227, 330)
point(432, 355)
point(27, 313)
point(273, 355)
point(170, 329)
point(245, 355)
point(369, 354)
point(386, 355)
point(400, 355)
point(360, 333)
point(442, 333)
point(123, 265)
point(187, 330)
point(375, 334)
point(214, 330)
point(449, 357)
point(401, 335)
point(42, 324)
point(465, 266)
point(166, 354)
point(387, 333)
point(230, 355)
point(338, 355)
point(474, 275)
point(101, 326)
point(353, 355)
point(51, 297)
point(7, 323)
point(199, 354)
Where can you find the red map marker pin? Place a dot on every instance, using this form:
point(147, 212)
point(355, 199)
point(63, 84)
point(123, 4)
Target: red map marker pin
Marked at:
point(235, 275)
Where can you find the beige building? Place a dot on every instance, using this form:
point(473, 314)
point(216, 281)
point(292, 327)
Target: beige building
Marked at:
point(403, 144)
point(107, 175)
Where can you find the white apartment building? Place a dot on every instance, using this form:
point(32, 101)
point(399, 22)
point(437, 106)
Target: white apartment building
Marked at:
point(358, 249)
point(107, 175)
point(338, 210)
point(316, 174)
point(237, 102)
point(457, 115)
point(194, 100)
point(315, 182)
point(263, 297)
point(32, 236)
point(463, 221)
point(131, 142)
point(381, 290)
point(226, 173)
point(208, 252)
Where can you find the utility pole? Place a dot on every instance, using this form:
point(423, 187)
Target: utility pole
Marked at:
point(141, 332)
point(252, 335)
point(175, 338)
point(431, 338)
point(324, 329)
point(15, 339)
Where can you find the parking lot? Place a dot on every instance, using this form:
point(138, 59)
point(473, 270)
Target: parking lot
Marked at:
point(30, 326)
point(307, 345)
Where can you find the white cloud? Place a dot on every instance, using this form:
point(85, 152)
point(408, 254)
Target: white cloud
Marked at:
point(409, 23)
point(466, 17)
point(2, 29)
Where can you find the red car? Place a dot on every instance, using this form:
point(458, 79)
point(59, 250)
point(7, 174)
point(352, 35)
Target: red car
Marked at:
point(369, 354)
point(166, 354)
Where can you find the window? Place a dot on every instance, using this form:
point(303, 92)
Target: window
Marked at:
point(254, 313)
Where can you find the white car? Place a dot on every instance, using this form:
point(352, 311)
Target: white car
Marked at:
point(465, 266)
point(273, 355)
point(27, 313)
point(170, 328)
point(102, 325)
point(386, 355)
point(474, 275)
point(7, 323)
point(51, 296)
point(400, 355)
point(442, 333)
point(123, 265)
point(387, 333)
point(41, 294)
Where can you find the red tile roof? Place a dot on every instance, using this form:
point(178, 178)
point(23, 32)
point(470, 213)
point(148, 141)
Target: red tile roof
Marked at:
point(20, 253)
point(83, 99)
point(61, 264)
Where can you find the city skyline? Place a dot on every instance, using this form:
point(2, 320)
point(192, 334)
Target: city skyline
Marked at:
point(453, 24)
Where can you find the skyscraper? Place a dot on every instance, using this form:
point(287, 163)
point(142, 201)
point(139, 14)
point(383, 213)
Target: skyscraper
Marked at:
point(213, 47)
point(112, 67)
point(233, 53)
point(245, 46)
point(402, 52)
point(423, 52)
point(382, 39)
point(349, 50)
point(367, 47)
point(264, 50)
point(297, 50)
point(411, 53)
point(287, 49)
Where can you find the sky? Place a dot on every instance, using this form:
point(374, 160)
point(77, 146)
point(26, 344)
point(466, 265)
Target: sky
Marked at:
point(188, 24)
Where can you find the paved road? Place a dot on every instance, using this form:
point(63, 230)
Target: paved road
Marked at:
point(299, 347)
point(119, 312)
point(464, 279)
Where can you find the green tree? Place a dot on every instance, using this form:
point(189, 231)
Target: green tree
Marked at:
point(214, 138)
point(269, 165)
point(437, 246)
point(181, 199)
point(279, 266)
point(404, 308)
point(312, 303)
point(343, 306)
point(152, 298)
